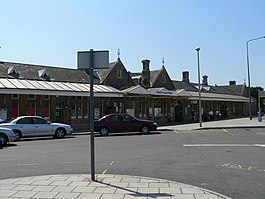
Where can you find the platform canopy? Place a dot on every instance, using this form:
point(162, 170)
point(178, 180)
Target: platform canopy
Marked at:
point(37, 87)
point(217, 97)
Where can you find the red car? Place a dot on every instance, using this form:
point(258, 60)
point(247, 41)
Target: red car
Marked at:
point(113, 123)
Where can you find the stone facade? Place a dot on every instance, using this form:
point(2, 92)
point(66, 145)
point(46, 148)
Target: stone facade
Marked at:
point(163, 106)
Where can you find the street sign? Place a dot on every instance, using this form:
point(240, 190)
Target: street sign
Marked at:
point(100, 60)
point(90, 60)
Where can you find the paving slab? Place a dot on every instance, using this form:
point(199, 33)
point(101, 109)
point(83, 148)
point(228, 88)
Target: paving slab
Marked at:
point(74, 186)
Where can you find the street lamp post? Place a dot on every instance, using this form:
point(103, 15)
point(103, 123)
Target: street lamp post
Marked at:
point(199, 83)
point(249, 94)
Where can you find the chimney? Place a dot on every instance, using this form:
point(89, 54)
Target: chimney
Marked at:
point(205, 80)
point(146, 73)
point(185, 76)
point(231, 83)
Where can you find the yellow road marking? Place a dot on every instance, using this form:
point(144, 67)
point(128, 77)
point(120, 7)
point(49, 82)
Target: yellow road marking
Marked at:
point(242, 167)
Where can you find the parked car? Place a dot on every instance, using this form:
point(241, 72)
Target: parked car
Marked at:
point(31, 126)
point(6, 135)
point(113, 123)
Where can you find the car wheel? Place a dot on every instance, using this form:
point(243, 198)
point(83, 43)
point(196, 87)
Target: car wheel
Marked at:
point(3, 139)
point(103, 131)
point(18, 134)
point(60, 133)
point(145, 129)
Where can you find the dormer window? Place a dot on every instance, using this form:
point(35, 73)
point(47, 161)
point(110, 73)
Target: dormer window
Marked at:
point(44, 74)
point(13, 72)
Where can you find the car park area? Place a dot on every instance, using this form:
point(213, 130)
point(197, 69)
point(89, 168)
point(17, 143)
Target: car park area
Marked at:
point(218, 160)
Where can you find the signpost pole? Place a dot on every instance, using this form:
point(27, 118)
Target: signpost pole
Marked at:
point(92, 147)
point(92, 60)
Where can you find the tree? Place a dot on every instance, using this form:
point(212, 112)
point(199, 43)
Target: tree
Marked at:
point(254, 93)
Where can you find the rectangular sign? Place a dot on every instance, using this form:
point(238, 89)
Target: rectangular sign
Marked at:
point(163, 92)
point(101, 59)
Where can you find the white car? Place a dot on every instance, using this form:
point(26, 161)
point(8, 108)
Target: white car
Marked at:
point(34, 126)
point(6, 135)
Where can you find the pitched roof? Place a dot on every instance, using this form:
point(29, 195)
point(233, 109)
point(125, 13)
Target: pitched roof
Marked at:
point(103, 73)
point(232, 89)
point(184, 85)
point(31, 72)
point(229, 89)
point(154, 74)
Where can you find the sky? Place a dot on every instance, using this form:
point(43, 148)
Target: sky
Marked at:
point(51, 32)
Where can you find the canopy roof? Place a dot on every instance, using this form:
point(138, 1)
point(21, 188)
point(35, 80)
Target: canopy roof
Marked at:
point(217, 97)
point(37, 87)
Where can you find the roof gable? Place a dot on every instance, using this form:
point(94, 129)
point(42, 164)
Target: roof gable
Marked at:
point(116, 75)
point(162, 79)
point(13, 71)
point(44, 74)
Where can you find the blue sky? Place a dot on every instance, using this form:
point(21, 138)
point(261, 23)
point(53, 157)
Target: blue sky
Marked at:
point(50, 32)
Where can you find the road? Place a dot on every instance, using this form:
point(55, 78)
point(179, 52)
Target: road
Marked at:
point(228, 161)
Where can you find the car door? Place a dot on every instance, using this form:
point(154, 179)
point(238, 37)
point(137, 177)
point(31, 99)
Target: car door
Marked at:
point(130, 124)
point(42, 127)
point(115, 123)
point(25, 125)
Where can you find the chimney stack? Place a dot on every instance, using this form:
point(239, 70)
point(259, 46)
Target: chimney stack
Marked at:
point(205, 80)
point(231, 83)
point(185, 76)
point(146, 73)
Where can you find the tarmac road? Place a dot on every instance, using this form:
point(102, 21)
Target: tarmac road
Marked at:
point(228, 161)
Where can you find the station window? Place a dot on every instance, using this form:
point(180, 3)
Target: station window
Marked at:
point(32, 97)
point(73, 108)
point(46, 97)
point(46, 109)
point(85, 105)
point(15, 108)
point(119, 74)
point(31, 107)
point(15, 96)
point(79, 107)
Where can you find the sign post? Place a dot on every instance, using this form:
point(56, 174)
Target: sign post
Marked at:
point(90, 60)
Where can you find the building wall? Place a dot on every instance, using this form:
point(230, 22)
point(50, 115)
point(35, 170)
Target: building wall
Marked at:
point(75, 110)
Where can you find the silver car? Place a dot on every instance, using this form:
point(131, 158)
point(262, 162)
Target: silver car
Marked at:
point(6, 135)
point(33, 126)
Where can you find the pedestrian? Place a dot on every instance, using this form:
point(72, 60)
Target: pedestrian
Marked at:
point(192, 116)
point(217, 114)
point(211, 115)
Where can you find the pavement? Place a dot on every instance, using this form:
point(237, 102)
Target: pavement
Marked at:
point(220, 124)
point(112, 186)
